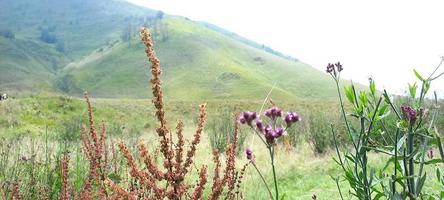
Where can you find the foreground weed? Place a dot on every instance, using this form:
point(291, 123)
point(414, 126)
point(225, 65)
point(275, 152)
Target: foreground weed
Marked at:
point(404, 146)
point(269, 133)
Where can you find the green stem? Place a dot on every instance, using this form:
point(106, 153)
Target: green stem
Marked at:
point(263, 179)
point(410, 162)
point(343, 113)
point(396, 161)
point(271, 150)
point(339, 189)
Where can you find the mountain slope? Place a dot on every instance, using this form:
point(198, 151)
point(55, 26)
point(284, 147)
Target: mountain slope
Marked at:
point(102, 54)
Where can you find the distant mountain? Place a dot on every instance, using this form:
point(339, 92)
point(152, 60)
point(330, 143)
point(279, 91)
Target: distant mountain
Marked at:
point(75, 45)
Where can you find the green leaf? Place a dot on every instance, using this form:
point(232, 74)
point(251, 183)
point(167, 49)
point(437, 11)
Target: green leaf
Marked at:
point(363, 99)
point(433, 161)
point(426, 86)
point(418, 76)
point(349, 94)
point(378, 196)
point(412, 90)
point(382, 109)
point(372, 87)
point(421, 183)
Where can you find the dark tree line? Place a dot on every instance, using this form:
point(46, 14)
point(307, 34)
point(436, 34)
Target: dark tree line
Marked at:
point(7, 34)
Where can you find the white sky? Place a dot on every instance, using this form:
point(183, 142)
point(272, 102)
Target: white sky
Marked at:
point(379, 38)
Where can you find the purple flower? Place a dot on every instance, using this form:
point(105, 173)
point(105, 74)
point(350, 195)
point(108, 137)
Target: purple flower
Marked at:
point(330, 68)
point(247, 117)
point(242, 120)
point(269, 134)
point(259, 125)
point(334, 69)
point(410, 114)
point(272, 134)
point(273, 112)
point(339, 67)
point(279, 132)
point(291, 118)
point(249, 153)
point(430, 154)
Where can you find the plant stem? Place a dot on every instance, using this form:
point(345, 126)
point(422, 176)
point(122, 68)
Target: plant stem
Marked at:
point(410, 162)
point(271, 150)
point(263, 179)
point(343, 113)
point(339, 189)
point(396, 160)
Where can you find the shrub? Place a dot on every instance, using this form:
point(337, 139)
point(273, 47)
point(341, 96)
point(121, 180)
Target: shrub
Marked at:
point(47, 36)
point(60, 46)
point(405, 146)
point(7, 34)
point(319, 135)
point(220, 132)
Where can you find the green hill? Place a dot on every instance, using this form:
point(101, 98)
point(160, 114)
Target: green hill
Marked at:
point(76, 45)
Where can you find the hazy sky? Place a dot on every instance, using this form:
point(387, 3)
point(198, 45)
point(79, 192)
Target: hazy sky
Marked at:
point(379, 38)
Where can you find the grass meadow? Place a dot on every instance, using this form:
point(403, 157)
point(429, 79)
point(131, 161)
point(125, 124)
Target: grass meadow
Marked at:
point(39, 129)
point(62, 147)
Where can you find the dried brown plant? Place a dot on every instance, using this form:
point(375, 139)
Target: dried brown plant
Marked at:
point(95, 150)
point(229, 177)
point(168, 180)
point(16, 191)
point(64, 163)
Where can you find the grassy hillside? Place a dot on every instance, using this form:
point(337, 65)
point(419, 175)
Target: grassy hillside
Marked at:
point(199, 63)
point(82, 25)
point(49, 34)
point(77, 45)
point(26, 64)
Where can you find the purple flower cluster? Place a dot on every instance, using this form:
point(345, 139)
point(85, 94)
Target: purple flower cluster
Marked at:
point(334, 69)
point(410, 114)
point(247, 117)
point(249, 153)
point(270, 131)
point(273, 133)
point(273, 112)
point(291, 118)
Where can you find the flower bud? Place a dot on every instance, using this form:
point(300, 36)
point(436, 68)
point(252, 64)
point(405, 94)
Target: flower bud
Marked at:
point(249, 153)
point(410, 114)
point(259, 125)
point(291, 118)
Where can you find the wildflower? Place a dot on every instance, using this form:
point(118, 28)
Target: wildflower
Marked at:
point(247, 117)
point(273, 112)
point(330, 68)
point(270, 135)
point(430, 154)
point(279, 132)
point(259, 125)
point(410, 114)
point(249, 153)
point(334, 69)
point(339, 67)
point(291, 118)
